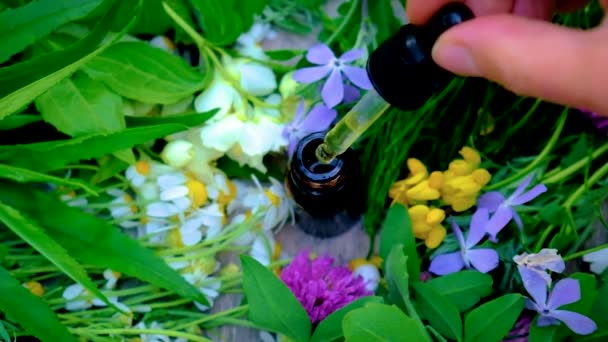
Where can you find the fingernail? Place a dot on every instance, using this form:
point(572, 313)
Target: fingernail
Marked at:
point(456, 59)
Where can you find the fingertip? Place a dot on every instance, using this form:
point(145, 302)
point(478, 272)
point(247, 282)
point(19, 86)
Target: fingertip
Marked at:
point(529, 57)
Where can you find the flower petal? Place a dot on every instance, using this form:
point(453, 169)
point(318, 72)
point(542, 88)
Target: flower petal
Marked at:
point(311, 74)
point(318, 119)
point(530, 195)
point(484, 259)
point(521, 187)
point(320, 54)
point(565, 291)
point(351, 55)
point(333, 90)
point(351, 93)
point(457, 233)
point(578, 323)
point(491, 201)
point(477, 227)
point(173, 193)
point(517, 219)
point(534, 284)
point(257, 79)
point(499, 220)
point(358, 76)
point(446, 263)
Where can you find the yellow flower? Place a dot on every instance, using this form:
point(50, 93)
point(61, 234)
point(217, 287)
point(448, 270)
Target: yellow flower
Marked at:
point(426, 224)
point(400, 189)
point(461, 183)
point(35, 288)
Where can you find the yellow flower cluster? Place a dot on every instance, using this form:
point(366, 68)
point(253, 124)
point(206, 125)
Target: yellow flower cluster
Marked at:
point(457, 187)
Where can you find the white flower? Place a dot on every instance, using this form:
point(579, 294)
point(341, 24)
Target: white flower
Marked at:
point(598, 260)
point(163, 43)
point(144, 170)
point(248, 43)
point(202, 164)
point(370, 275)
point(245, 141)
point(221, 95)
point(151, 338)
point(263, 248)
point(111, 277)
point(546, 259)
point(211, 292)
point(255, 78)
point(198, 273)
point(274, 200)
point(122, 207)
point(178, 153)
point(210, 218)
point(78, 298)
point(73, 201)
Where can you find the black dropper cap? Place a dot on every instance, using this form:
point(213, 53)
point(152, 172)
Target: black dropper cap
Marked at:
point(402, 69)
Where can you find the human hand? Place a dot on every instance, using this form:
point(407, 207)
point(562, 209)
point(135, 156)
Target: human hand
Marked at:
point(512, 43)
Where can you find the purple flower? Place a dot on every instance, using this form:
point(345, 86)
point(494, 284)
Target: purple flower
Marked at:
point(502, 208)
point(482, 259)
point(317, 120)
point(520, 331)
point(320, 287)
point(334, 89)
point(565, 291)
point(600, 122)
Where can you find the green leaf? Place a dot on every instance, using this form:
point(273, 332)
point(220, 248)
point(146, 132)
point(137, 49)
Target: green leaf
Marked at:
point(46, 246)
point(32, 313)
point(439, 311)
point(397, 229)
point(190, 120)
point(544, 334)
point(380, 322)
point(383, 16)
point(330, 328)
point(100, 244)
point(108, 167)
point(22, 83)
point(272, 305)
point(600, 309)
point(21, 175)
point(283, 55)
point(56, 154)
point(493, 320)
point(17, 121)
point(79, 105)
point(553, 213)
point(3, 333)
point(139, 71)
point(152, 20)
point(464, 288)
point(397, 276)
point(20, 27)
point(599, 336)
point(221, 24)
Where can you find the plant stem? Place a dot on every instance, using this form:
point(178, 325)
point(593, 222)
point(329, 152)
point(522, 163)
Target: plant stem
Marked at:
point(343, 23)
point(601, 172)
point(238, 309)
point(554, 178)
point(586, 251)
point(539, 159)
point(436, 334)
point(413, 314)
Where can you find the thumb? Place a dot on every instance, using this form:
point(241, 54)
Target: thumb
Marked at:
point(531, 58)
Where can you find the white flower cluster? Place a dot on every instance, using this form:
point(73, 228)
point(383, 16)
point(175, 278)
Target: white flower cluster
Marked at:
point(185, 200)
